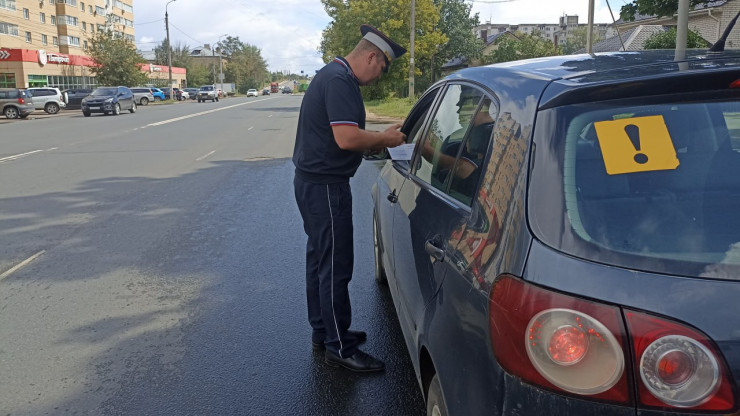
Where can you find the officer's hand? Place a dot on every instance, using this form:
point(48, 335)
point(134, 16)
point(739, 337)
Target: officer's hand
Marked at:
point(394, 137)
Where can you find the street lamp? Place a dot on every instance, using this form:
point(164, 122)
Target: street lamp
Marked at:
point(169, 47)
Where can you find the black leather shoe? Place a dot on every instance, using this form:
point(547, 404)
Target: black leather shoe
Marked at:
point(360, 362)
point(360, 335)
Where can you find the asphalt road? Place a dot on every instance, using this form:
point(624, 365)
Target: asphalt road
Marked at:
point(152, 264)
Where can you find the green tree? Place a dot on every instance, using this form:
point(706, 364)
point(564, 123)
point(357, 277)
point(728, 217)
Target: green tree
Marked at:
point(117, 60)
point(667, 40)
point(391, 17)
point(578, 38)
point(457, 24)
point(653, 8)
point(198, 75)
point(521, 46)
point(246, 67)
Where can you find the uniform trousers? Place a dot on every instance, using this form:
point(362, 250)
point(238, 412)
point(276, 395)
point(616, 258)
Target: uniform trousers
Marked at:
point(327, 220)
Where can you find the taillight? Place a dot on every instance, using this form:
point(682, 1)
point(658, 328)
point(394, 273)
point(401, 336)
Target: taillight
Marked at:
point(679, 367)
point(559, 342)
point(21, 100)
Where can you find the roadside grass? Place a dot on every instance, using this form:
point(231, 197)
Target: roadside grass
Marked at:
point(390, 107)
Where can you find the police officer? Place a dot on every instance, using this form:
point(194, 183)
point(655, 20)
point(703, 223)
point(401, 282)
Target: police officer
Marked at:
point(330, 140)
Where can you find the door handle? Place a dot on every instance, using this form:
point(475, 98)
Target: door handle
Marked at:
point(393, 197)
point(437, 253)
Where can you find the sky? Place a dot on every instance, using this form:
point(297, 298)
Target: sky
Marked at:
point(288, 32)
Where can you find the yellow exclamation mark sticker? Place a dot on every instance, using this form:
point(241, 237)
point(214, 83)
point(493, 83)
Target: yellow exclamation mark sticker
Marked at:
point(638, 144)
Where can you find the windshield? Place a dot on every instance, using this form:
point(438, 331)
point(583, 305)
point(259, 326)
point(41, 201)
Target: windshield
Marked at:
point(105, 91)
point(206, 88)
point(652, 187)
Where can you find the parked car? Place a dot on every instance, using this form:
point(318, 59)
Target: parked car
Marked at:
point(251, 92)
point(192, 92)
point(75, 96)
point(266, 91)
point(287, 90)
point(182, 95)
point(564, 239)
point(142, 95)
point(207, 92)
point(157, 94)
point(109, 100)
point(15, 103)
point(49, 99)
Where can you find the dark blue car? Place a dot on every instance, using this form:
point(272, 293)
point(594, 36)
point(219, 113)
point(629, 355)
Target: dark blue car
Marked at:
point(565, 239)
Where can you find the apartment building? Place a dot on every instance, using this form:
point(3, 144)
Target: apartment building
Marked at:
point(558, 33)
point(45, 42)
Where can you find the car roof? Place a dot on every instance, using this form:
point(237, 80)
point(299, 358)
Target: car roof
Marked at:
point(567, 78)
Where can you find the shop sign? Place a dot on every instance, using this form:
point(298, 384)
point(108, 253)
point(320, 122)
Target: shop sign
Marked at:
point(57, 58)
point(155, 68)
point(4, 54)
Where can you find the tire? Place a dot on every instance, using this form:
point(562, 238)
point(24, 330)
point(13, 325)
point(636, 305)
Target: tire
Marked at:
point(51, 108)
point(200, 101)
point(86, 113)
point(144, 101)
point(435, 401)
point(157, 99)
point(380, 276)
point(24, 115)
point(11, 112)
point(117, 109)
point(133, 108)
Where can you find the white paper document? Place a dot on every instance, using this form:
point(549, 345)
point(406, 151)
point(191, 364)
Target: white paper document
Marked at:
point(402, 152)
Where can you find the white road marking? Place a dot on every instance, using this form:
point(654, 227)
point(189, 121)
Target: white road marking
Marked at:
point(250, 128)
point(21, 264)
point(22, 155)
point(172, 120)
point(205, 156)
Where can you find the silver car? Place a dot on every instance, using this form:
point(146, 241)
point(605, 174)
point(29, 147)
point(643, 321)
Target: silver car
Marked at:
point(142, 95)
point(48, 99)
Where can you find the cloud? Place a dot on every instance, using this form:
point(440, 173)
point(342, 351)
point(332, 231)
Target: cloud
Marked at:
point(288, 32)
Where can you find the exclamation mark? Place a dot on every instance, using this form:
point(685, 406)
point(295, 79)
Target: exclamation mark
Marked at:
point(633, 132)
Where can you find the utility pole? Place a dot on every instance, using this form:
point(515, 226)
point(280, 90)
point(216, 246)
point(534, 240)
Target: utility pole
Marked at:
point(411, 49)
point(590, 28)
point(682, 30)
point(169, 48)
point(221, 63)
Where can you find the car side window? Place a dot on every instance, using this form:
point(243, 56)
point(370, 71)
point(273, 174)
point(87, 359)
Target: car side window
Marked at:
point(442, 142)
point(467, 171)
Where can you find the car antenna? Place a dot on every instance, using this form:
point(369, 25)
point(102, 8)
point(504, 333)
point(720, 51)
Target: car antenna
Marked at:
point(719, 46)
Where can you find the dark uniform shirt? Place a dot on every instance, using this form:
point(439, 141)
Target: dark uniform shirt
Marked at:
point(332, 99)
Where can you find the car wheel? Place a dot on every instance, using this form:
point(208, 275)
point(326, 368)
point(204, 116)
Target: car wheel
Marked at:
point(86, 113)
point(157, 99)
point(11, 112)
point(380, 275)
point(24, 115)
point(200, 101)
point(144, 101)
point(133, 108)
point(435, 401)
point(117, 109)
point(51, 108)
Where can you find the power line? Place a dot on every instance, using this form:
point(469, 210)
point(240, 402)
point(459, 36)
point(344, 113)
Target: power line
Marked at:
point(190, 37)
point(148, 23)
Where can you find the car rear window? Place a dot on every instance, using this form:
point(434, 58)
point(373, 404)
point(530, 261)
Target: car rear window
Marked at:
point(653, 187)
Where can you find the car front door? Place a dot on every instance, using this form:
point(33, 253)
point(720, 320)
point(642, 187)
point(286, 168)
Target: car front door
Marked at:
point(428, 215)
point(392, 177)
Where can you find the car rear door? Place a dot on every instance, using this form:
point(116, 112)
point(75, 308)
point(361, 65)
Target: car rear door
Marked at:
point(429, 215)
